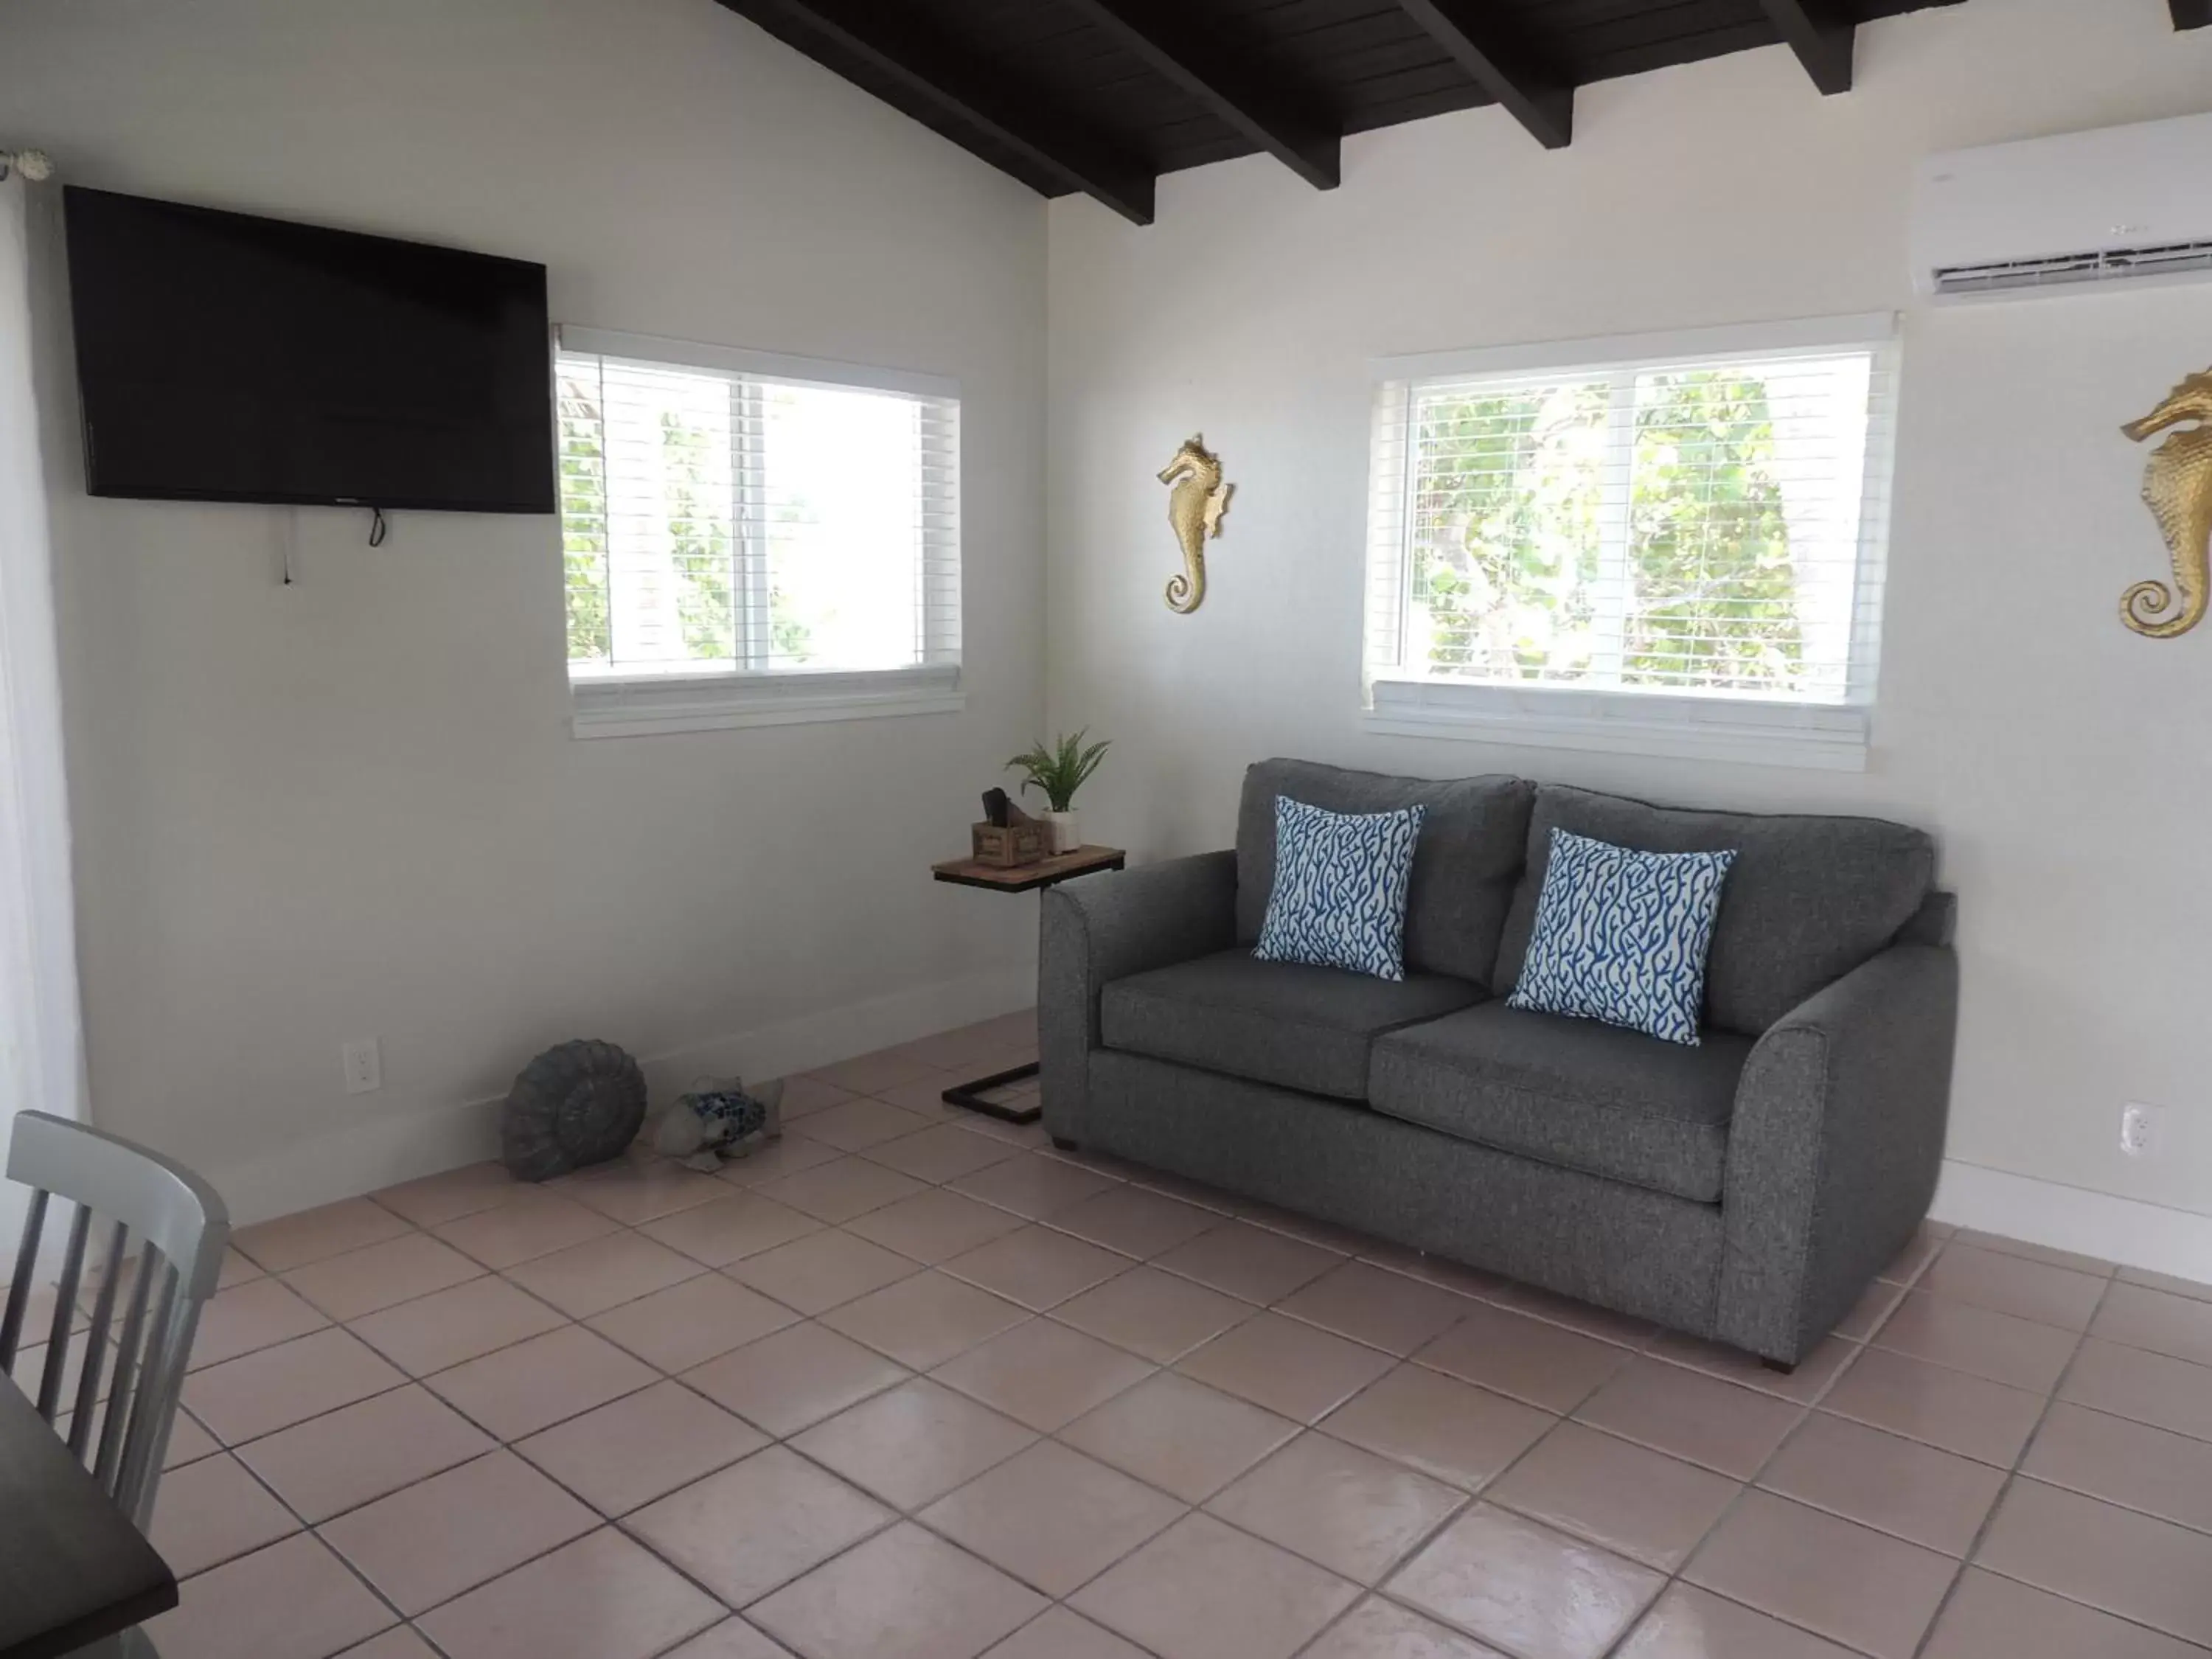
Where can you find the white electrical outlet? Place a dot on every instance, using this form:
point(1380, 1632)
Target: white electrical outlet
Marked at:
point(2142, 1129)
point(364, 1071)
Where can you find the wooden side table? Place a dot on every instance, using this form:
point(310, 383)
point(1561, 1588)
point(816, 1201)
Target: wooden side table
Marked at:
point(1021, 879)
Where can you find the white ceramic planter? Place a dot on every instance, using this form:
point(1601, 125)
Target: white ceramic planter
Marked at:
point(1066, 835)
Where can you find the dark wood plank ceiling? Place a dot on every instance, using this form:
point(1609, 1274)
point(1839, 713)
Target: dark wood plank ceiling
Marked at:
point(1102, 96)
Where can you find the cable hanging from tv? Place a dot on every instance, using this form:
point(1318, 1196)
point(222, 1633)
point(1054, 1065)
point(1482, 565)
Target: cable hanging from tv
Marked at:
point(288, 540)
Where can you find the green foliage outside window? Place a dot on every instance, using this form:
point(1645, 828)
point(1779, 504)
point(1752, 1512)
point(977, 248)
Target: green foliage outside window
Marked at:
point(790, 639)
point(583, 526)
point(699, 538)
point(1716, 594)
point(702, 540)
point(1509, 507)
point(1505, 506)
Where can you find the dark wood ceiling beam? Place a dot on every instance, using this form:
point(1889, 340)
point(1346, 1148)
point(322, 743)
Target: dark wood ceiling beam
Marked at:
point(1471, 31)
point(947, 79)
point(2191, 14)
point(1823, 40)
point(1212, 73)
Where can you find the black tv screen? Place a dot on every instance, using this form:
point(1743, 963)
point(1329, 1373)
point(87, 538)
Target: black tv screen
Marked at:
point(222, 357)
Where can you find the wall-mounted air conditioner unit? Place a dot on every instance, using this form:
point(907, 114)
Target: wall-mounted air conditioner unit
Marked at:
point(2052, 216)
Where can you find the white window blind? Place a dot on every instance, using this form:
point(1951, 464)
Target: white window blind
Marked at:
point(733, 517)
point(1695, 534)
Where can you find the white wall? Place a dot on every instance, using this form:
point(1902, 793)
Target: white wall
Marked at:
point(2060, 759)
point(353, 808)
point(41, 1043)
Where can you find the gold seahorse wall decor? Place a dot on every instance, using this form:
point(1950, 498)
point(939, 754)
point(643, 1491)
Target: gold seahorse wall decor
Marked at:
point(1196, 502)
point(2177, 490)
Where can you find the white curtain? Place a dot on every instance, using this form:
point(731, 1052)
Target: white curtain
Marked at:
point(41, 1049)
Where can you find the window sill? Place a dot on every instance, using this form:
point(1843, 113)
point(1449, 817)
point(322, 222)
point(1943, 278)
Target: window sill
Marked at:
point(1819, 736)
point(647, 706)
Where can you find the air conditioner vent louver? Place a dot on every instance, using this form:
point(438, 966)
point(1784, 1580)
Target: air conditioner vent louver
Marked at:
point(2110, 264)
point(2073, 213)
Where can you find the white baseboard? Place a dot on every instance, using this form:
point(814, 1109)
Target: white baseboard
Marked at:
point(378, 1153)
point(2123, 1230)
point(815, 1040)
point(385, 1151)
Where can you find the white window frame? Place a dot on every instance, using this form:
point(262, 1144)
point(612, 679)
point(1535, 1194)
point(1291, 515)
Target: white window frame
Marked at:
point(616, 703)
point(1831, 735)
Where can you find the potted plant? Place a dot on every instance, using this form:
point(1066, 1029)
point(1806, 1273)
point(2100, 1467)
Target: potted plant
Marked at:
point(1060, 772)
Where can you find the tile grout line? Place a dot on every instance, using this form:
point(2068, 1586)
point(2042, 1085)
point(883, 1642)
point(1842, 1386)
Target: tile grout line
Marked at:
point(1468, 1500)
point(2200, 1530)
point(411, 1380)
point(1481, 1493)
point(1188, 1509)
point(2080, 1335)
point(616, 1523)
point(424, 1379)
point(1807, 1408)
point(308, 1531)
point(2012, 1473)
point(1262, 1221)
point(1343, 1256)
point(603, 1521)
point(2013, 1476)
point(408, 1379)
point(502, 1274)
point(724, 1271)
point(899, 1516)
point(1255, 1310)
point(230, 1451)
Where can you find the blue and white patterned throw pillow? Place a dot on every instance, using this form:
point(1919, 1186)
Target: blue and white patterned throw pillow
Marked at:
point(1340, 894)
point(1621, 936)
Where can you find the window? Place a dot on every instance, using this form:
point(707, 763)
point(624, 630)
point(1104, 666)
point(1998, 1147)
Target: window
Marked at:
point(1670, 546)
point(750, 539)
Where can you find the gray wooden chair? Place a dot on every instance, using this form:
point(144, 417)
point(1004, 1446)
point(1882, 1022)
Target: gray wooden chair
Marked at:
point(166, 1230)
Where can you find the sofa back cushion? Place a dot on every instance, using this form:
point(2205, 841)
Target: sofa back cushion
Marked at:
point(1807, 899)
point(1473, 833)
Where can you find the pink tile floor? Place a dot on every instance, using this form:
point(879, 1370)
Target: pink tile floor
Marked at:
point(913, 1386)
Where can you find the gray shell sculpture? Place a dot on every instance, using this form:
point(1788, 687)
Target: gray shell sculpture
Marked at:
point(577, 1103)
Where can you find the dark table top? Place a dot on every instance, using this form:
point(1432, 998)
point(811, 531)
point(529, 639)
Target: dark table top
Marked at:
point(1028, 877)
point(72, 1567)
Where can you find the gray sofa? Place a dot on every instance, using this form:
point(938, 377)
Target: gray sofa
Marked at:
point(1746, 1190)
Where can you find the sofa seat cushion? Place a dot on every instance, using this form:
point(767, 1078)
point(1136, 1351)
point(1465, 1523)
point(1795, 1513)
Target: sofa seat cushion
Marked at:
point(1274, 1021)
point(1573, 1092)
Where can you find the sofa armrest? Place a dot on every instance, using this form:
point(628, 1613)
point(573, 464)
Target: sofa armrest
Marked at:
point(1835, 1146)
point(1106, 927)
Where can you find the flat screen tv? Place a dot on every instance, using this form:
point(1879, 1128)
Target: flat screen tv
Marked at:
point(227, 358)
